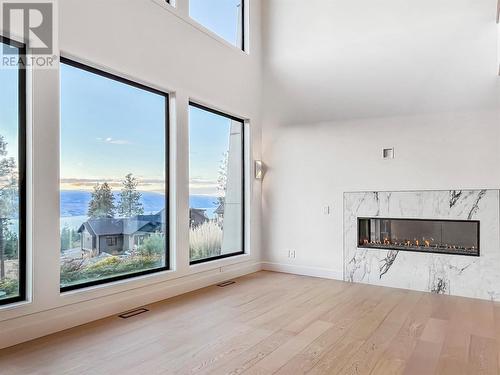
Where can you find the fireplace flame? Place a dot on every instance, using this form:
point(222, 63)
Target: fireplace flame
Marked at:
point(412, 244)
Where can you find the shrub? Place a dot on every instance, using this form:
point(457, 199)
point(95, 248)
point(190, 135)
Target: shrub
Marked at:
point(106, 262)
point(153, 245)
point(10, 287)
point(73, 272)
point(205, 240)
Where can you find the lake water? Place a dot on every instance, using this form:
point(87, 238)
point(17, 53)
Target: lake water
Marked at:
point(74, 205)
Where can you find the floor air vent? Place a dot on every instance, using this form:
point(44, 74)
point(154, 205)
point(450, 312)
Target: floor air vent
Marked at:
point(226, 283)
point(130, 314)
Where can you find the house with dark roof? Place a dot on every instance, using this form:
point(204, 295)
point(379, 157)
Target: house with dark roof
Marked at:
point(219, 212)
point(197, 216)
point(116, 236)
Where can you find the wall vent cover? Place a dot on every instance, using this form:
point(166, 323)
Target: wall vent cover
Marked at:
point(130, 314)
point(226, 283)
point(388, 153)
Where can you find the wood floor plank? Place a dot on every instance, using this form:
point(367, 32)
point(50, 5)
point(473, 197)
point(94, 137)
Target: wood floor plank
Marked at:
point(482, 356)
point(354, 338)
point(424, 359)
point(282, 355)
point(269, 323)
point(454, 353)
point(435, 331)
point(403, 344)
point(253, 355)
point(310, 356)
point(374, 347)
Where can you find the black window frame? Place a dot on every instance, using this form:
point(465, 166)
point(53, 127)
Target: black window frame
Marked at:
point(21, 169)
point(243, 25)
point(166, 95)
point(243, 184)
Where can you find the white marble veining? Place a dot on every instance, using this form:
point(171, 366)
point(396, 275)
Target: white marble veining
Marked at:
point(477, 277)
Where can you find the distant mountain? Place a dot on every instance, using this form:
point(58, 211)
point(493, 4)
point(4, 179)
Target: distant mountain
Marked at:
point(75, 202)
point(203, 201)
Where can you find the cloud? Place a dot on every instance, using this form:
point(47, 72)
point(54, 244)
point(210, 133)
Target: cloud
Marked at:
point(200, 186)
point(87, 184)
point(200, 182)
point(113, 141)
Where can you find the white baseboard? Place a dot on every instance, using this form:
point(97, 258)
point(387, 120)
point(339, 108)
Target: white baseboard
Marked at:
point(303, 270)
point(30, 327)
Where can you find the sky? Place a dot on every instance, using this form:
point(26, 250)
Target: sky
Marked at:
point(208, 142)
point(9, 108)
point(220, 16)
point(109, 129)
point(209, 133)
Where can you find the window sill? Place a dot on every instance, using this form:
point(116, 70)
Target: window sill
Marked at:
point(106, 292)
point(220, 263)
point(97, 284)
point(16, 305)
point(119, 286)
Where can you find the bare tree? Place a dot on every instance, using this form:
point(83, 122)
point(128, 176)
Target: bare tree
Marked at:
point(222, 179)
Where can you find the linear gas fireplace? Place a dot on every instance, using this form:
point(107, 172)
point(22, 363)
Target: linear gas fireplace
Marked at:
point(458, 237)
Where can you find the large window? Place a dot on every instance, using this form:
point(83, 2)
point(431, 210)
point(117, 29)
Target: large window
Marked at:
point(114, 200)
point(223, 17)
point(216, 185)
point(12, 177)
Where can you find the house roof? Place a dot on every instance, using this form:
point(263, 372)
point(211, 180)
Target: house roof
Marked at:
point(197, 212)
point(197, 215)
point(111, 226)
point(220, 210)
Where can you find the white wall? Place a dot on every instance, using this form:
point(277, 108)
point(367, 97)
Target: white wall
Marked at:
point(346, 78)
point(153, 43)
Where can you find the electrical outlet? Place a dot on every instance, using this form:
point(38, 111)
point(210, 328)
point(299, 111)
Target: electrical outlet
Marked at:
point(327, 210)
point(291, 254)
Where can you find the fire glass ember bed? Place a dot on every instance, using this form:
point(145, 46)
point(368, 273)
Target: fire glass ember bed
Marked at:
point(458, 237)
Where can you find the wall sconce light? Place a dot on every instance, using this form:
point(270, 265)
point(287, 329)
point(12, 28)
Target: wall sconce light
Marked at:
point(259, 170)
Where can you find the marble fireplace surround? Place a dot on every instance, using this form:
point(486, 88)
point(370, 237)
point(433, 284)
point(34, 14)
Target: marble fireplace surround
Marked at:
point(476, 277)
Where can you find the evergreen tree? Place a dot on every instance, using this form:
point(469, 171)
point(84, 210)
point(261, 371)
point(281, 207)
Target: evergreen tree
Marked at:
point(130, 199)
point(70, 238)
point(8, 200)
point(102, 203)
point(65, 238)
point(11, 245)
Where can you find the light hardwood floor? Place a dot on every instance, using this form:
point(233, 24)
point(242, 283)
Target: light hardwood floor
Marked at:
point(272, 323)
